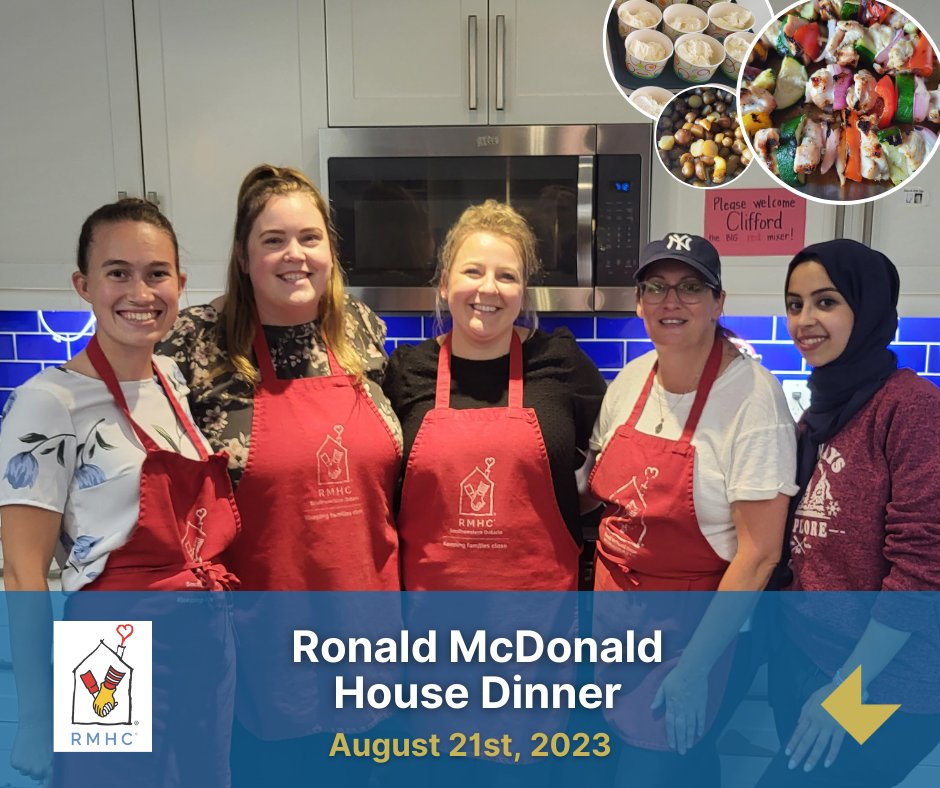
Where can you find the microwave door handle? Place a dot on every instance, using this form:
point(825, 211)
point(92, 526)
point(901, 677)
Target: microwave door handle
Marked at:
point(472, 61)
point(585, 219)
point(500, 62)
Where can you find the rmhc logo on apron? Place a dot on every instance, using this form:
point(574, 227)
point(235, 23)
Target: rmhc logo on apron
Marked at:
point(103, 686)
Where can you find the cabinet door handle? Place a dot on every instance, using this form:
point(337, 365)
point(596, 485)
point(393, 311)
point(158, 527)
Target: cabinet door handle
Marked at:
point(472, 60)
point(122, 195)
point(500, 62)
point(153, 198)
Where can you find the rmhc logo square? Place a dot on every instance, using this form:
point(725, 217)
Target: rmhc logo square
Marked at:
point(103, 686)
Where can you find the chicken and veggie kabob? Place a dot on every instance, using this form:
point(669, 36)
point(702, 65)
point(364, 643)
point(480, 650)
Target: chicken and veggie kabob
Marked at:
point(850, 93)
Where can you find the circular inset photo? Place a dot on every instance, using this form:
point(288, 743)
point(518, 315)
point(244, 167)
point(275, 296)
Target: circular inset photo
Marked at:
point(699, 140)
point(839, 99)
point(671, 44)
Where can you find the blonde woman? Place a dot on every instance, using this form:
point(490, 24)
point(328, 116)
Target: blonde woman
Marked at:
point(496, 412)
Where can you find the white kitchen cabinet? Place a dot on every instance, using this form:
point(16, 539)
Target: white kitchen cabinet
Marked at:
point(224, 85)
point(466, 62)
point(69, 136)
point(206, 90)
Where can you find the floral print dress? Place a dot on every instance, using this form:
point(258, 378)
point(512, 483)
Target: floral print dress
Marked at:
point(222, 399)
point(66, 448)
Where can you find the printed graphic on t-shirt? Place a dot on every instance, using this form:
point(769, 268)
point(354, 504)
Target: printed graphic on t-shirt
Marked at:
point(476, 527)
point(630, 499)
point(819, 507)
point(334, 498)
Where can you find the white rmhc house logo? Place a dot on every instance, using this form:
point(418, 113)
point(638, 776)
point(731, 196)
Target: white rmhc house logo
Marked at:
point(679, 242)
point(103, 686)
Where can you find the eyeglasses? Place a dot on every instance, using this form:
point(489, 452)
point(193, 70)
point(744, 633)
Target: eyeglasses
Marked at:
point(689, 291)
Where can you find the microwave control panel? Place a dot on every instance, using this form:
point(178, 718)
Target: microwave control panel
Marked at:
point(618, 215)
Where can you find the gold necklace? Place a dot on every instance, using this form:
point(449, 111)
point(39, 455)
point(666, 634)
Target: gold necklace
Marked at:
point(660, 395)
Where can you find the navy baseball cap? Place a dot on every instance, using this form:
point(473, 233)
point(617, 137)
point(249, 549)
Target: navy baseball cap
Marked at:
point(693, 250)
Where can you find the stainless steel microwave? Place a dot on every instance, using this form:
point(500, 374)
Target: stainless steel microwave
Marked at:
point(585, 190)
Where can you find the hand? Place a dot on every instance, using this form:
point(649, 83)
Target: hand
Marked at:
point(613, 539)
point(104, 701)
point(32, 750)
point(815, 731)
point(685, 694)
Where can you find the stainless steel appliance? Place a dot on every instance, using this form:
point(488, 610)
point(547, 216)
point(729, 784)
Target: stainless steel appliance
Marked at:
point(584, 189)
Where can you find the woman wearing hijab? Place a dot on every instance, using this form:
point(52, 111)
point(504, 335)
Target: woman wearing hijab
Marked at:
point(867, 518)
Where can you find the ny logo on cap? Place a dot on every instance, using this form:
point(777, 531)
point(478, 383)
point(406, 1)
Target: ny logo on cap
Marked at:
point(679, 242)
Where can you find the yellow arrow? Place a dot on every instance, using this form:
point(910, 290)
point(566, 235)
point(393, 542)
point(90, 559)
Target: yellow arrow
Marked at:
point(860, 719)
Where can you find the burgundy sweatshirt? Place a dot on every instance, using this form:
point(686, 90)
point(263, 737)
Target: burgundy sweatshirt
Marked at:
point(870, 521)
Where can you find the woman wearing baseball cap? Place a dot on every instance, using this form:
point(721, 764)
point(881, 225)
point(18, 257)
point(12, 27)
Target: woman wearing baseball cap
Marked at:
point(866, 518)
point(695, 461)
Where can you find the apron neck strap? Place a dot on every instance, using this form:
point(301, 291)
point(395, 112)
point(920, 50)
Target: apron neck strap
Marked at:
point(442, 395)
point(709, 374)
point(263, 355)
point(104, 369)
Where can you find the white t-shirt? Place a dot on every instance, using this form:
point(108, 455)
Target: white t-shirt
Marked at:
point(745, 442)
point(65, 447)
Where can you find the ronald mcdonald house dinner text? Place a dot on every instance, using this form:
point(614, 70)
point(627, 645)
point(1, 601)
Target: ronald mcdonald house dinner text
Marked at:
point(524, 647)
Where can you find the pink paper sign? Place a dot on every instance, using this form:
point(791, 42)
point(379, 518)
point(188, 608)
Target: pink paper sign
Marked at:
point(743, 222)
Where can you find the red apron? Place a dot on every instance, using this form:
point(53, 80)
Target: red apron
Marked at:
point(478, 511)
point(317, 492)
point(316, 498)
point(647, 482)
point(187, 512)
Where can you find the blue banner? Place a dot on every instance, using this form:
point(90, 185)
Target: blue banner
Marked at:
point(538, 689)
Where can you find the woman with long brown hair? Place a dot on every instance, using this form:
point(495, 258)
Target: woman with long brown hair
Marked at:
point(285, 373)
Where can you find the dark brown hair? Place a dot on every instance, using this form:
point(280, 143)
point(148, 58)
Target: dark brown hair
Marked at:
point(129, 209)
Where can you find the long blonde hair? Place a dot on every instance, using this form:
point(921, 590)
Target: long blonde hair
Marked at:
point(237, 323)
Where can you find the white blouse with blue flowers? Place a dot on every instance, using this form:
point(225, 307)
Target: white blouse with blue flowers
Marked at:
point(65, 447)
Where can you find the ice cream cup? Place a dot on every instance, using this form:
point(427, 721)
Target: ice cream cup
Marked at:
point(640, 67)
point(696, 73)
point(658, 94)
point(717, 28)
point(731, 66)
point(632, 7)
point(674, 13)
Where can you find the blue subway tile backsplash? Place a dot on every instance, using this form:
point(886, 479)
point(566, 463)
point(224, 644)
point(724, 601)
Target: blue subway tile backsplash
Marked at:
point(41, 347)
point(27, 344)
point(15, 373)
point(15, 322)
point(913, 356)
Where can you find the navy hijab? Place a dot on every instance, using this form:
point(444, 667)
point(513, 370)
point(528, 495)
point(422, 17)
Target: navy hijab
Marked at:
point(869, 283)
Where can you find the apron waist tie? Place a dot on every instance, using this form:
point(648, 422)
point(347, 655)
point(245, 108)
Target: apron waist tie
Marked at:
point(215, 577)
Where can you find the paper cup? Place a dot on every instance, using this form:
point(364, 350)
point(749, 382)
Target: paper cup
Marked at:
point(626, 16)
point(678, 14)
point(696, 73)
point(642, 67)
point(640, 97)
point(718, 27)
point(731, 66)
